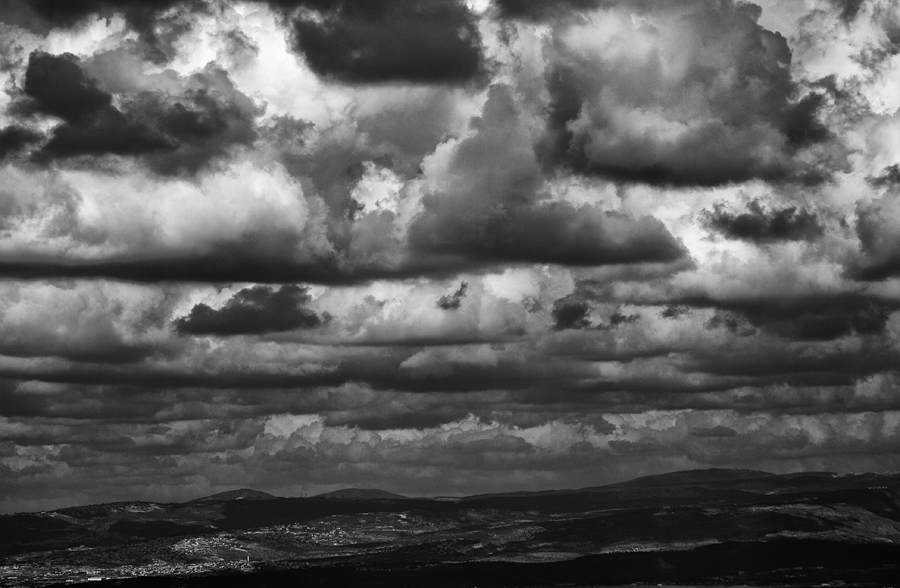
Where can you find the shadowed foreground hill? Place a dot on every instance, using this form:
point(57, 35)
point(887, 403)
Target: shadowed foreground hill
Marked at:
point(702, 527)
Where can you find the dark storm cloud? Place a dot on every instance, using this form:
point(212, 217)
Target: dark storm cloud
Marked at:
point(158, 23)
point(617, 318)
point(762, 225)
point(735, 322)
point(203, 124)
point(389, 370)
point(454, 300)
point(493, 208)
point(776, 365)
point(349, 405)
point(379, 372)
point(577, 236)
point(571, 313)
point(889, 177)
point(805, 317)
point(674, 311)
point(104, 346)
point(247, 260)
point(574, 312)
point(854, 396)
point(255, 310)
point(59, 87)
point(717, 431)
point(173, 136)
point(14, 139)
point(712, 130)
point(848, 9)
point(801, 124)
point(377, 41)
point(878, 229)
point(368, 409)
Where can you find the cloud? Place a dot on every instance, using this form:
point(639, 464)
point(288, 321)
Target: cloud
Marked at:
point(96, 322)
point(537, 11)
point(173, 135)
point(849, 9)
point(247, 220)
point(489, 206)
point(760, 225)
point(717, 431)
point(571, 313)
point(674, 311)
point(889, 177)
point(640, 93)
point(158, 24)
point(431, 42)
point(14, 139)
point(809, 317)
point(453, 301)
point(60, 88)
point(260, 309)
point(878, 228)
point(617, 318)
point(415, 244)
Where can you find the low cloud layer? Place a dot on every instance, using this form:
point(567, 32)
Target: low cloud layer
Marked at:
point(443, 247)
point(259, 309)
point(760, 225)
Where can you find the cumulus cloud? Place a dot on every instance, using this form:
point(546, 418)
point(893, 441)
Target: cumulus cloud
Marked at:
point(878, 228)
point(260, 309)
point(157, 24)
point(174, 136)
point(489, 205)
point(569, 313)
point(691, 93)
point(760, 225)
point(890, 176)
point(14, 139)
point(102, 322)
point(443, 247)
point(381, 41)
point(452, 301)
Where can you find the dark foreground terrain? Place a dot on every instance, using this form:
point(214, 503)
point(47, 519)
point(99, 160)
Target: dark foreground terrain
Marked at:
point(714, 527)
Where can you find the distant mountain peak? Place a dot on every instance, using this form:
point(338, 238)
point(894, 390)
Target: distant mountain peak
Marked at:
point(362, 494)
point(698, 477)
point(240, 494)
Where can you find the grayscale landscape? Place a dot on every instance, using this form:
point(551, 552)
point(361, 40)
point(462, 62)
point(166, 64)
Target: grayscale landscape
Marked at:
point(449, 292)
point(708, 527)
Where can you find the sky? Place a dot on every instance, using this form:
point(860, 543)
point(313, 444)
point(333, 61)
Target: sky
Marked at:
point(443, 248)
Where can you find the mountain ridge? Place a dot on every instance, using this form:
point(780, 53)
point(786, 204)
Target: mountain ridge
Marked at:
point(239, 494)
point(361, 494)
point(677, 478)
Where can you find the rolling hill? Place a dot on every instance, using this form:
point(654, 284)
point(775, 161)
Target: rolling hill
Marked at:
point(716, 527)
point(362, 494)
